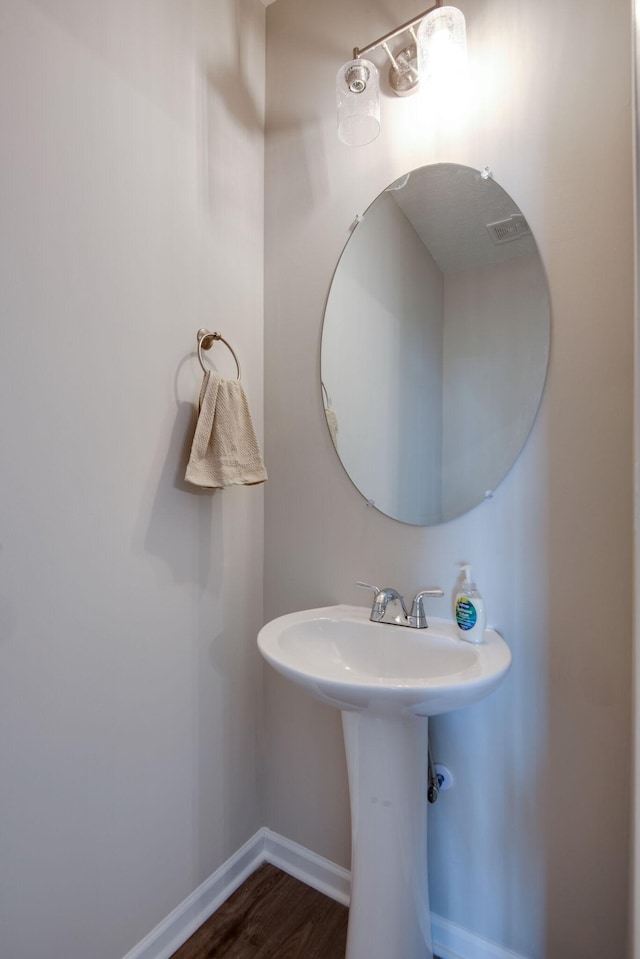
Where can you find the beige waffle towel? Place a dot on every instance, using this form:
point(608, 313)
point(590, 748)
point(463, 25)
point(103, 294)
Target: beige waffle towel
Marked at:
point(225, 450)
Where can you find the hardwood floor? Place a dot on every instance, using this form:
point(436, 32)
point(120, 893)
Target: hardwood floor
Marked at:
point(271, 916)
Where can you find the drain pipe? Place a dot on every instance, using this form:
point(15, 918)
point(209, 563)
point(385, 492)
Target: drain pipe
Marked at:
point(436, 779)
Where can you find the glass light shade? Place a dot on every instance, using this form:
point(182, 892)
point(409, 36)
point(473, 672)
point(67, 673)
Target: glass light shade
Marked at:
point(358, 100)
point(442, 47)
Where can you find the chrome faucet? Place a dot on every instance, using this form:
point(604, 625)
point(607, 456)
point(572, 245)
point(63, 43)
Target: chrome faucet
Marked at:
point(389, 606)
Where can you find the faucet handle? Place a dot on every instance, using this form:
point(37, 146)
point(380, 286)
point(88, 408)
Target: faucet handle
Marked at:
point(375, 589)
point(418, 618)
point(377, 609)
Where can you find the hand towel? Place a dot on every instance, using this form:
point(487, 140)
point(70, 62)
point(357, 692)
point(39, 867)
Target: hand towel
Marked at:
point(225, 450)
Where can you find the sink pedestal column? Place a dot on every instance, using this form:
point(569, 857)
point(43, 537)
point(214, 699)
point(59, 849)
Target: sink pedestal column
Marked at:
point(387, 761)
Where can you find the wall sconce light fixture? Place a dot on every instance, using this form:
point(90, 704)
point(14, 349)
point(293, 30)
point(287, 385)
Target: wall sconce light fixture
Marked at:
point(435, 54)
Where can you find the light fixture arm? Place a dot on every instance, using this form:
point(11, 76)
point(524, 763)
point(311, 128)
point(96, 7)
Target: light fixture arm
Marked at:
point(357, 53)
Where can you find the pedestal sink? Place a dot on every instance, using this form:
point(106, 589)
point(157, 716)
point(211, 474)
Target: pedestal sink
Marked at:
point(386, 680)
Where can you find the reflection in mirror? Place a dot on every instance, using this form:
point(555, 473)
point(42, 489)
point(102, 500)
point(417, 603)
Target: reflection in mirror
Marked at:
point(435, 344)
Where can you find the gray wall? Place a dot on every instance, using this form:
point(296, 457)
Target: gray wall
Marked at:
point(131, 199)
point(531, 848)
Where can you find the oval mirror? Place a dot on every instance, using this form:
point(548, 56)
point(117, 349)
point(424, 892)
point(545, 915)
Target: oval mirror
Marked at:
point(435, 344)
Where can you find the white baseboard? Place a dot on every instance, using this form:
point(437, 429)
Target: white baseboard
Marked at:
point(173, 931)
point(449, 940)
point(454, 942)
point(314, 870)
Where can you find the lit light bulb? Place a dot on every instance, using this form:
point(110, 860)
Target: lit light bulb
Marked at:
point(442, 48)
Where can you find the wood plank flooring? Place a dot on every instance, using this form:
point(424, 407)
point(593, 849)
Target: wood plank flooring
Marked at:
point(271, 916)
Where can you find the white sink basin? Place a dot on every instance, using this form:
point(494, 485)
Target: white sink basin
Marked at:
point(342, 658)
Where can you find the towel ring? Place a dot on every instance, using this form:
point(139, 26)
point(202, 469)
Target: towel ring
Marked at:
point(205, 342)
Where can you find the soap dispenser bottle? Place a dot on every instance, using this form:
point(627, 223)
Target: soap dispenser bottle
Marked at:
point(471, 617)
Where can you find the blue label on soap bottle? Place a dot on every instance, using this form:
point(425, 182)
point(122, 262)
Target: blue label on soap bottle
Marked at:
point(466, 615)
